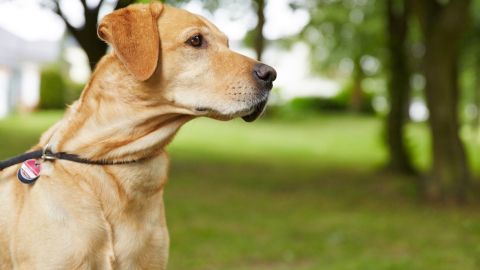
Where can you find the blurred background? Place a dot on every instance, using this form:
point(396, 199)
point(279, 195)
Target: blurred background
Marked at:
point(368, 156)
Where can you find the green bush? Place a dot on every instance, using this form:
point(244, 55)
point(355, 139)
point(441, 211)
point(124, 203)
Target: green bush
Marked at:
point(302, 106)
point(316, 104)
point(313, 105)
point(52, 90)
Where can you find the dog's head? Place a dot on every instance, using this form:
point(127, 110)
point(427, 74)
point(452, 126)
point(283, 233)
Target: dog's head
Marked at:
point(186, 60)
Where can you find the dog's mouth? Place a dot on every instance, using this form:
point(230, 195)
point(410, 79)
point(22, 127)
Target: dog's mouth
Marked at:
point(248, 115)
point(256, 111)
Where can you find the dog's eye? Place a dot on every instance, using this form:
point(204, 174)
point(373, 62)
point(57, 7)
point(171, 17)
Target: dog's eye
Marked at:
point(195, 41)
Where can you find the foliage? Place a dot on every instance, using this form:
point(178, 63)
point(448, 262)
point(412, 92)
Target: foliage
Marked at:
point(52, 90)
point(318, 105)
point(344, 29)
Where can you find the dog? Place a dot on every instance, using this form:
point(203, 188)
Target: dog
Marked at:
point(167, 67)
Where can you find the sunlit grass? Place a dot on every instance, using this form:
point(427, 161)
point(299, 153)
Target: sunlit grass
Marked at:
point(296, 194)
point(21, 131)
point(324, 141)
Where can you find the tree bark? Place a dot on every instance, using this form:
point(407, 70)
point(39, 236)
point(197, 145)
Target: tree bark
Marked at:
point(259, 44)
point(443, 27)
point(357, 95)
point(398, 87)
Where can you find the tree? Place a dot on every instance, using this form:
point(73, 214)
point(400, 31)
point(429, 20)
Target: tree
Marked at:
point(398, 85)
point(86, 35)
point(345, 29)
point(259, 43)
point(443, 26)
point(255, 38)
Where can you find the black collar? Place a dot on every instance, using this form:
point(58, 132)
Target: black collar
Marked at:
point(47, 155)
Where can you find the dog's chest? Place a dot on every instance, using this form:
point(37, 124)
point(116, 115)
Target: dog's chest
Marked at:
point(140, 238)
point(139, 235)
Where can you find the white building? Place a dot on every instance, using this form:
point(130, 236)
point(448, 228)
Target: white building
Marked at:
point(29, 37)
point(20, 62)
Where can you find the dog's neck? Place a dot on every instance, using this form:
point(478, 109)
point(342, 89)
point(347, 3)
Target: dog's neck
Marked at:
point(114, 121)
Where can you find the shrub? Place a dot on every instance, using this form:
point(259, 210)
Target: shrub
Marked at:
point(52, 90)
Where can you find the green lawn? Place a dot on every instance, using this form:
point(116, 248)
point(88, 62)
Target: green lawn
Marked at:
point(296, 194)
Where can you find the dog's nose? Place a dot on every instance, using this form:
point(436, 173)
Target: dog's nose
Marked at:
point(264, 73)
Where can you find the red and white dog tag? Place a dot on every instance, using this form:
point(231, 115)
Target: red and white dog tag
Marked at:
point(29, 171)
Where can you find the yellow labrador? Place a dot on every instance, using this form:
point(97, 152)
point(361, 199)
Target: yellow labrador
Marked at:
point(168, 66)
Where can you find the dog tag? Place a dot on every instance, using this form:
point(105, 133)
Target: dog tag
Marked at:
point(29, 171)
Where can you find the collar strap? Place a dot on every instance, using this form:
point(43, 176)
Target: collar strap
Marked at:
point(46, 155)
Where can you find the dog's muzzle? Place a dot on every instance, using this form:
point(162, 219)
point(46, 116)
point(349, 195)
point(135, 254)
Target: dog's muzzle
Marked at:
point(264, 76)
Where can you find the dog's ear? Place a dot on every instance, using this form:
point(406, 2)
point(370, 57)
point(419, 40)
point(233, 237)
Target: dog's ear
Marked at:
point(133, 34)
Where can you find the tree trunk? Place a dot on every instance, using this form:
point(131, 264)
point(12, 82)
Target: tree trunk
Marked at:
point(259, 44)
point(443, 27)
point(356, 98)
point(398, 87)
point(91, 44)
point(450, 169)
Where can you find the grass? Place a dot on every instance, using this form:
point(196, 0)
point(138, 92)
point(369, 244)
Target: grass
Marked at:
point(296, 194)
